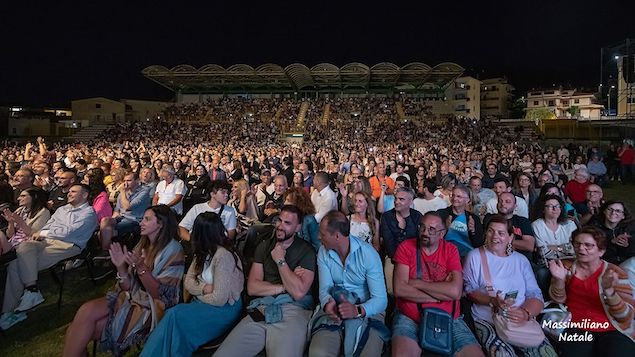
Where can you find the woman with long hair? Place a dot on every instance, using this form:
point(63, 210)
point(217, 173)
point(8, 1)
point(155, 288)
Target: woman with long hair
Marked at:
point(524, 188)
point(215, 280)
point(148, 283)
point(98, 196)
point(310, 228)
point(364, 222)
point(30, 216)
point(244, 202)
point(617, 223)
point(298, 181)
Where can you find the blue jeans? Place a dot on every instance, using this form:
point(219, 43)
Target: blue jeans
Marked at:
point(461, 334)
point(186, 327)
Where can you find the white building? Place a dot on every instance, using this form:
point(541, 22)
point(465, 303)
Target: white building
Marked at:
point(560, 102)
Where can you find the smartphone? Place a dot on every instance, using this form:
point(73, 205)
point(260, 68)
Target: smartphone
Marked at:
point(511, 295)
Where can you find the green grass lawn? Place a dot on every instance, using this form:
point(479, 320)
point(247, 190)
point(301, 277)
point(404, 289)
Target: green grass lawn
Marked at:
point(42, 334)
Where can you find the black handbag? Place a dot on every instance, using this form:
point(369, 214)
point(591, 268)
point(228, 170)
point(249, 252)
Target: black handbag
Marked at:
point(435, 326)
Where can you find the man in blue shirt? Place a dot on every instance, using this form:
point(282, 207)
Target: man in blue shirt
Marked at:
point(352, 293)
point(63, 236)
point(132, 202)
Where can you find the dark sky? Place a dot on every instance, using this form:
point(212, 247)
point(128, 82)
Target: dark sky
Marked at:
point(54, 53)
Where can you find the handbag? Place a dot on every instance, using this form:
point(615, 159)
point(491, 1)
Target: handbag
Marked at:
point(562, 252)
point(435, 326)
point(519, 334)
point(554, 317)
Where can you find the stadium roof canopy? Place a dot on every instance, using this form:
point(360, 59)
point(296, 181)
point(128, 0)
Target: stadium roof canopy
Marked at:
point(296, 77)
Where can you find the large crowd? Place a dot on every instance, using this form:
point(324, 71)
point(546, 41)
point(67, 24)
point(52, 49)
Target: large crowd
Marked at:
point(453, 237)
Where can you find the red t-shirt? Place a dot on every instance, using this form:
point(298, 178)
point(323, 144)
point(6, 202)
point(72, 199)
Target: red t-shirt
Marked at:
point(628, 157)
point(583, 301)
point(439, 265)
point(576, 191)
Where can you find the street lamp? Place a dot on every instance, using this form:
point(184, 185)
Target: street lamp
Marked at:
point(609, 98)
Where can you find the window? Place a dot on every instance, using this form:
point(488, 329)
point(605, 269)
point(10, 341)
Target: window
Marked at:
point(565, 103)
point(576, 101)
point(536, 102)
point(98, 105)
point(551, 103)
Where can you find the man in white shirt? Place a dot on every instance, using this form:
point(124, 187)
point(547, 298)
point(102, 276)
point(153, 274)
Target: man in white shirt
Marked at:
point(426, 201)
point(503, 185)
point(170, 190)
point(399, 172)
point(219, 193)
point(323, 198)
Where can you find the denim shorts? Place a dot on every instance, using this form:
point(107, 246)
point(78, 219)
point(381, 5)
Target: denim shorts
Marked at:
point(461, 334)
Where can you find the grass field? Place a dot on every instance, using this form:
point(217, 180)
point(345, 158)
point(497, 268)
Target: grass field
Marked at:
point(42, 334)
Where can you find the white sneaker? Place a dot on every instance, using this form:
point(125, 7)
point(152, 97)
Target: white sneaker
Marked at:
point(9, 319)
point(73, 264)
point(29, 300)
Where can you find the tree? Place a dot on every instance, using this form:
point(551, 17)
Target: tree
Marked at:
point(540, 113)
point(574, 111)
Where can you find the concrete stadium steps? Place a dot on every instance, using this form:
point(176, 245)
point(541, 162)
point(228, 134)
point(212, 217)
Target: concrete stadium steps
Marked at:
point(327, 114)
point(89, 133)
point(529, 129)
point(400, 111)
point(304, 107)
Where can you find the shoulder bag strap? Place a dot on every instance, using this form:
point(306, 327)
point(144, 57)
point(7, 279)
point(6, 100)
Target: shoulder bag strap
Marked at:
point(486, 273)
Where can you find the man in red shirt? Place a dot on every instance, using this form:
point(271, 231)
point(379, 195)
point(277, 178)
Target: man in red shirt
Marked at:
point(576, 188)
point(440, 286)
point(627, 162)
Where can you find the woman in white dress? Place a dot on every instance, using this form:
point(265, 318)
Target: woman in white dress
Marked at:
point(364, 222)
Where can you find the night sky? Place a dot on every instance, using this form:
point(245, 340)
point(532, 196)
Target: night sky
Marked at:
point(54, 53)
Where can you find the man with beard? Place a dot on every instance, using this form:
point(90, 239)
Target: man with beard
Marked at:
point(279, 281)
point(439, 286)
point(524, 240)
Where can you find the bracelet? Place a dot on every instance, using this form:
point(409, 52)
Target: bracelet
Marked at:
point(121, 278)
point(140, 273)
point(528, 313)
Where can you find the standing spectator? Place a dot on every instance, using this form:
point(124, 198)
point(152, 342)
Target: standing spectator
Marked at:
point(627, 162)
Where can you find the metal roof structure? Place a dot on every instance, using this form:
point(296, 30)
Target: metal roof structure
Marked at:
point(297, 77)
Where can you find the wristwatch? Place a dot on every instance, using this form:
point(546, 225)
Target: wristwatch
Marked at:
point(359, 311)
point(281, 262)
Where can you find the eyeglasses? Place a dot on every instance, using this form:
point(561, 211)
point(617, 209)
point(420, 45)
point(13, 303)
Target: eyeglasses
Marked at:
point(553, 207)
point(614, 210)
point(593, 192)
point(431, 230)
point(587, 246)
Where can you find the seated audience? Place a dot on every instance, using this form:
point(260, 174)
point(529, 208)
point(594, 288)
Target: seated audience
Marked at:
point(352, 294)
point(63, 236)
point(511, 291)
point(279, 281)
point(617, 223)
point(438, 283)
point(598, 296)
point(215, 281)
point(148, 283)
point(28, 218)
